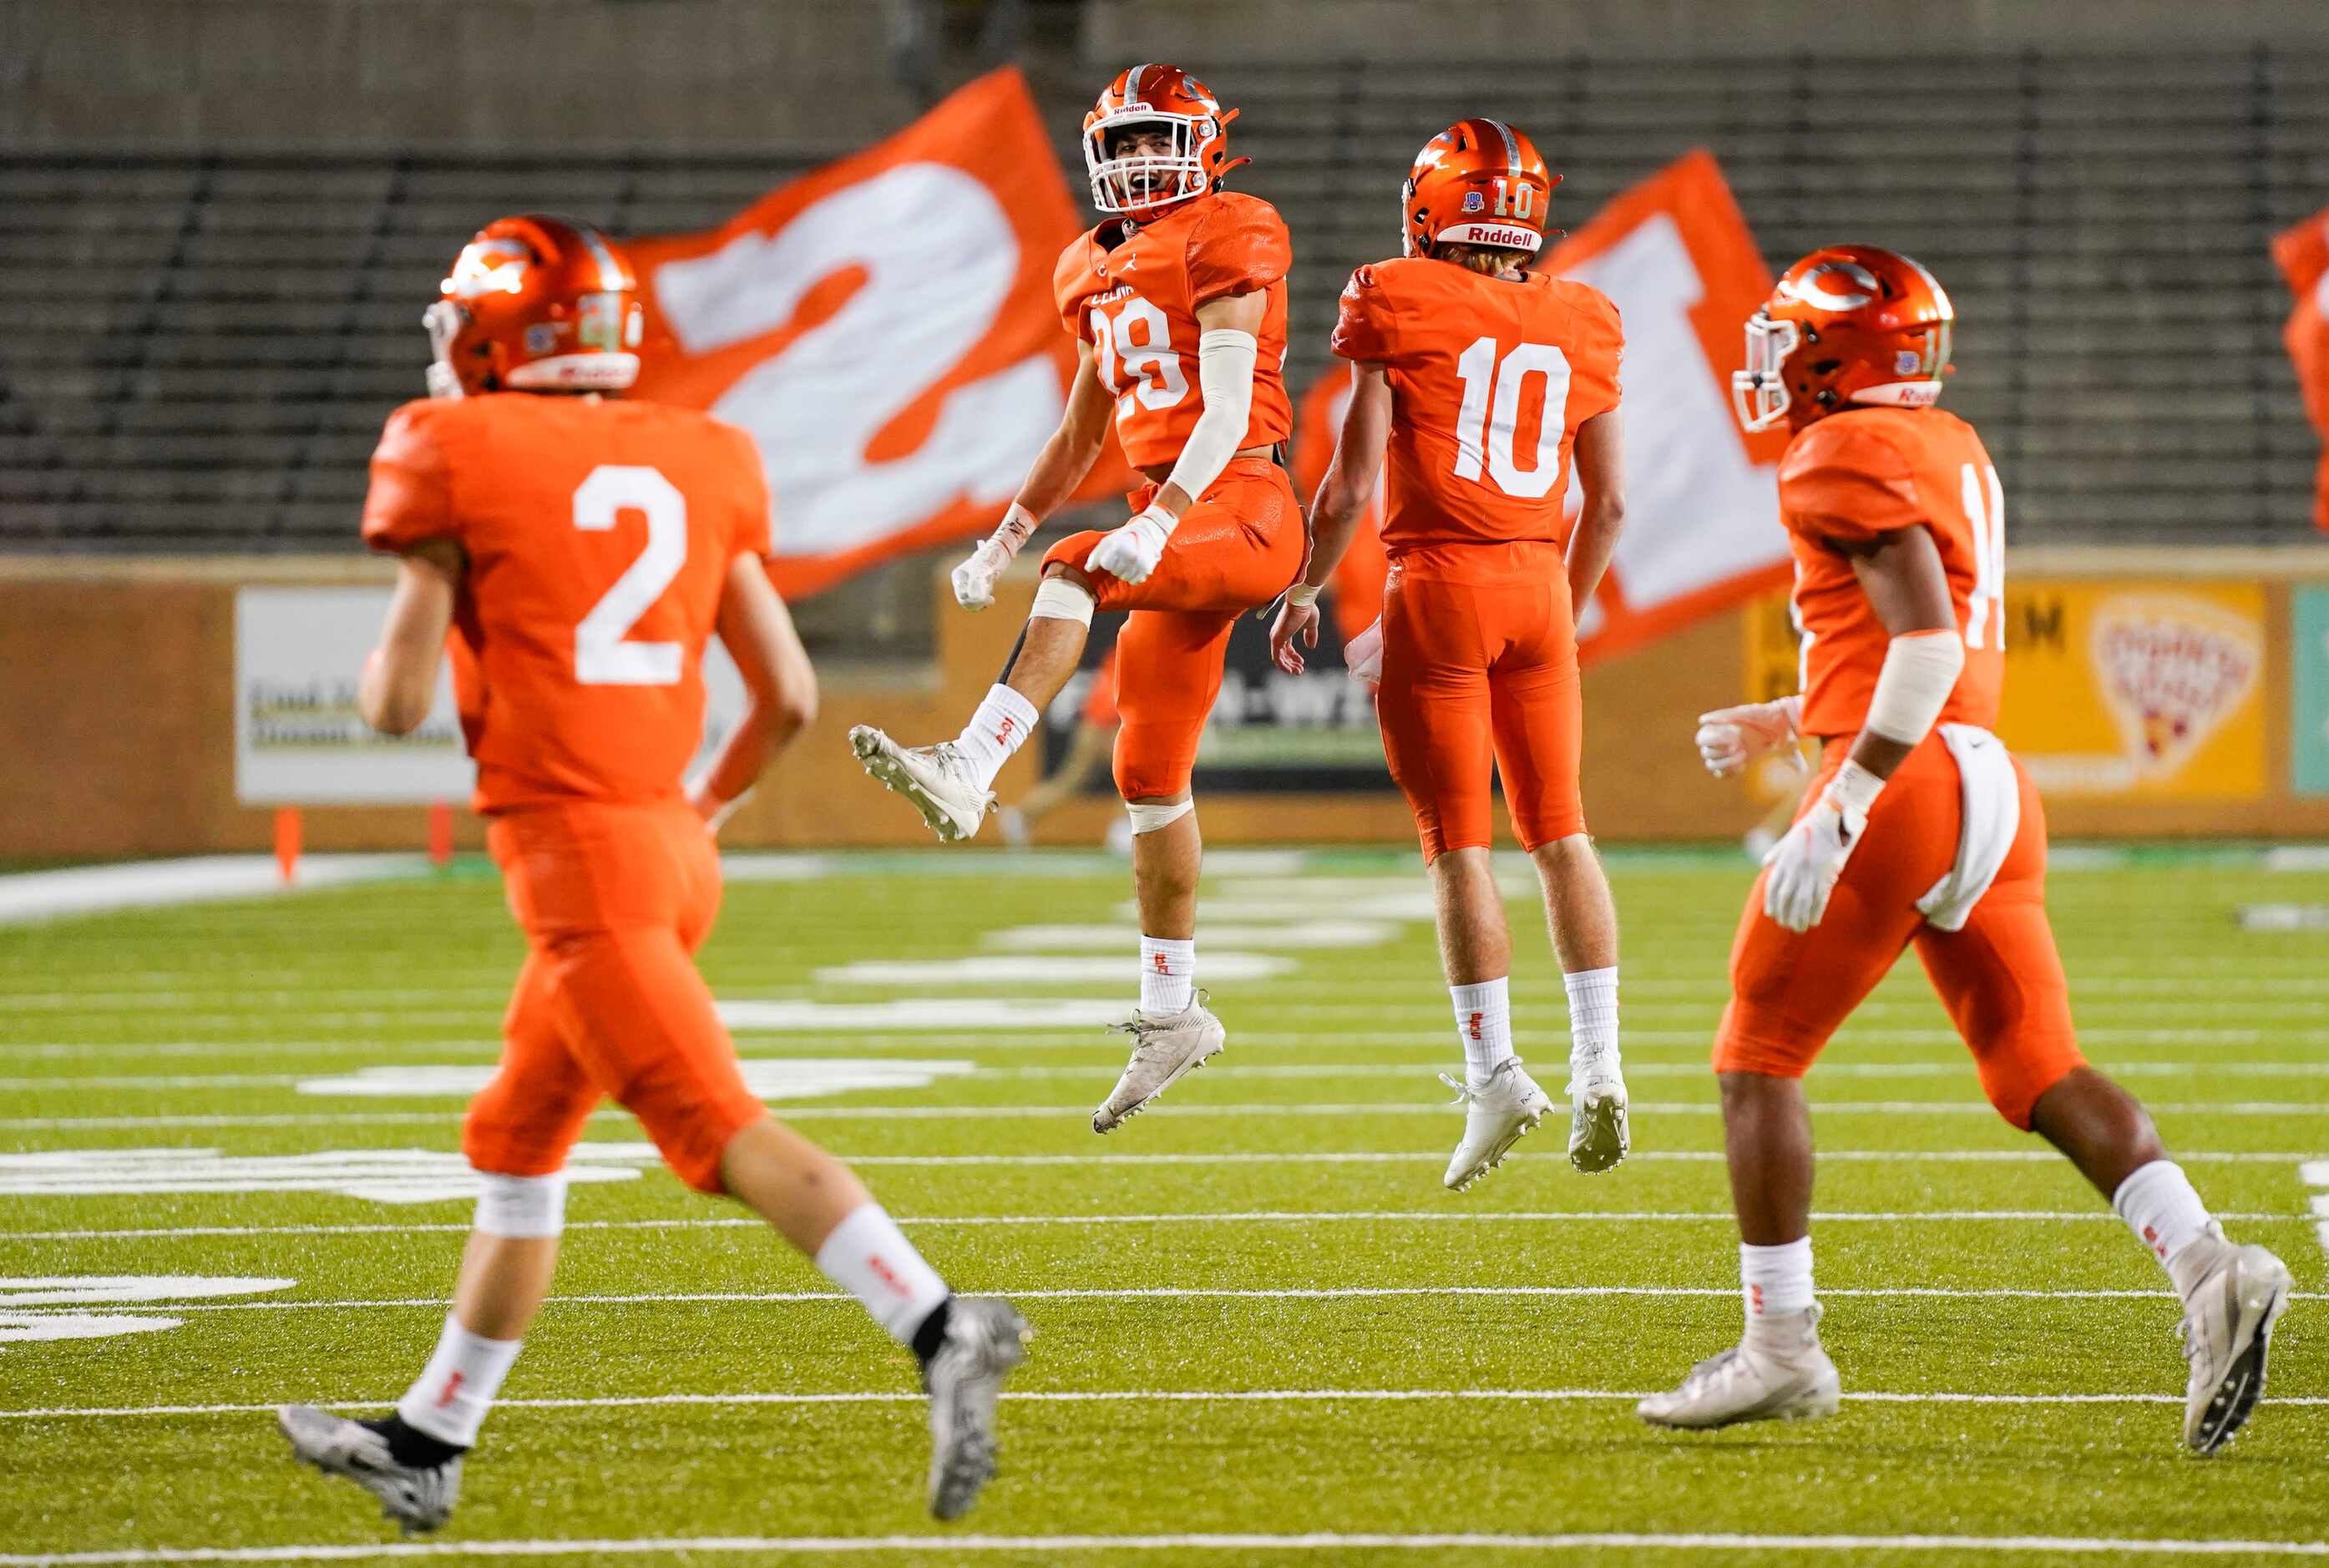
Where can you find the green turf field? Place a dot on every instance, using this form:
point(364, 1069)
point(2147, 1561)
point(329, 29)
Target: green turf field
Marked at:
point(1264, 1333)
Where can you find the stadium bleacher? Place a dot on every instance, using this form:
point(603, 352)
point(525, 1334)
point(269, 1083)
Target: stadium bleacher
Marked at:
point(204, 346)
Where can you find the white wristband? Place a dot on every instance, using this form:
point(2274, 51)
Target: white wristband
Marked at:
point(1018, 525)
point(1920, 669)
point(1855, 788)
point(1302, 594)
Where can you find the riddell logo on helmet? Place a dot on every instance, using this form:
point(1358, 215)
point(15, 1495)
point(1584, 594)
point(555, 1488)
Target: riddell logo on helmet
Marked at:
point(1507, 238)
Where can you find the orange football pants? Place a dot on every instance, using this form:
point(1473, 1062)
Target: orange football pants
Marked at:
point(1236, 549)
point(614, 901)
point(1479, 672)
point(2000, 978)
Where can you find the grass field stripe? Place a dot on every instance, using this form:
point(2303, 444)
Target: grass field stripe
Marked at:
point(1136, 1396)
point(999, 1113)
point(1244, 1217)
point(1204, 1293)
point(1338, 1542)
point(1422, 1068)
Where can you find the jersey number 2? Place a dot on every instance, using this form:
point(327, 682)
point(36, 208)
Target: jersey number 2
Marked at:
point(603, 654)
point(1491, 414)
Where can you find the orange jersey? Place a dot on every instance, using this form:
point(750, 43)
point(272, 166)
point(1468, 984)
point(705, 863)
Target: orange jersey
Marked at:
point(1490, 378)
point(1135, 302)
point(1359, 575)
point(1864, 472)
point(598, 537)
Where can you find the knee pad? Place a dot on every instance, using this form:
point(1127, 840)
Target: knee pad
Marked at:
point(522, 1208)
point(1057, 599)
point(1147, 819)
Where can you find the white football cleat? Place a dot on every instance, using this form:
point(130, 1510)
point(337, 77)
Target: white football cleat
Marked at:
point(2228, 1320)
point(417, 1499)
point(1163, 1050)
point(1785, 1375)
point(984, 1340)
point(935, 778)
point(1599, 1136)
point(1497, 1114)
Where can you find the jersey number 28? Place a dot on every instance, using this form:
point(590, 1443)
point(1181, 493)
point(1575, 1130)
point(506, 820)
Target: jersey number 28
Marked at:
point(604, 654)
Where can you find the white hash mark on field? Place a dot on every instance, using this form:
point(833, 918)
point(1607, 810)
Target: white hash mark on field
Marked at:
point(50, 1291)
point(771, 1078)
point(2315, 1173)
point(377, 1174)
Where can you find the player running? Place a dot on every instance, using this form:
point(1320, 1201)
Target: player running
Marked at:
point(1920, 829)
point(580, 550)
point(1177, 303)
point(1481, 378)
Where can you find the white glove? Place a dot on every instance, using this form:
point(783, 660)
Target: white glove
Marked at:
point(1363, 654)
point(1804, 865)
point(974, 580)
point(1729, 738)
point(1132, 552)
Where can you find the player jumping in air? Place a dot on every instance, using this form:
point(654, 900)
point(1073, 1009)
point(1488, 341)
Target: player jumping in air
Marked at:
point(1482, 379)
point(580, 550)
point(1177, 303)
point(1921, 829)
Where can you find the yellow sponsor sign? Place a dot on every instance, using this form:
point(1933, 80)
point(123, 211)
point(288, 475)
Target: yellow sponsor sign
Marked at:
point(2114, 687)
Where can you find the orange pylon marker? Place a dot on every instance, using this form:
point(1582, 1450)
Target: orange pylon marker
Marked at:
point(287, 840)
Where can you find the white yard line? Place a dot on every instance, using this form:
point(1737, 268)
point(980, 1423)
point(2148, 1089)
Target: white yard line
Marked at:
point(1209, 1294)
point(1341, 1545)
point(153, 884)
point(1295, 1109)
point(1239, 1216)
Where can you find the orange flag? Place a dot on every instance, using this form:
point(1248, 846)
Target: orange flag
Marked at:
point(1703, 528)
point(884, 329)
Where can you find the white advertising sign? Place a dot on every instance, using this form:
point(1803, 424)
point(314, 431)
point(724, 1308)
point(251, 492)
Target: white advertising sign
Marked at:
point(299, 739)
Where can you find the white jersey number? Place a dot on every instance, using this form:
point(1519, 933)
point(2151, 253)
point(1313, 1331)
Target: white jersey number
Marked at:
point(1491, 414)
point(1151, 367)
point(1985, 509)
point(603, 654)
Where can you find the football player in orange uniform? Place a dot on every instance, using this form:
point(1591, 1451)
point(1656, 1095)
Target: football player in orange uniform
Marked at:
point(1919, 830)
point(2303, 253)
point(1484, 380)
point(1356, 587)
point(579, 550)
point(1177, 303)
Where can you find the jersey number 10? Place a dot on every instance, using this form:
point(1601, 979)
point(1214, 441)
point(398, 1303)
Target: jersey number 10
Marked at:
point(1491, 414)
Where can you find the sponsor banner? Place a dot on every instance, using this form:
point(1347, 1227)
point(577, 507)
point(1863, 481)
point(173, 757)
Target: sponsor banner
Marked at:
point(884, 329)
point(2308, 690)
point(1703, 528)
point(299, 739)
point(2115, 688)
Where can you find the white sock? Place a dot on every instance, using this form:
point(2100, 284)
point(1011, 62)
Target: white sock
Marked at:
point(1168, 974)
point(449, 1399)
point(1774, 1282)
point(869, 1257)
point(1002, 725)
point(1592, 1014)
point(1483, 1025)
point(2163, 1211)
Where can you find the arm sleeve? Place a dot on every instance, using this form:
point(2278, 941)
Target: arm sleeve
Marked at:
point(1237, 248)
point(1366, 325)
point(411, 494)
point(1841, 485)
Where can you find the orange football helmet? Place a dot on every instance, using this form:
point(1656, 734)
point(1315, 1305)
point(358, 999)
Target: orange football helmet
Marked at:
point(1849, 324)
point(535, 303)
point(1480, 182)
point(1141, 186)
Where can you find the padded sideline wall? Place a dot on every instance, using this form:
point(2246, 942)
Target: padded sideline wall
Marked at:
point(477, 75)
point(1423, 30)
